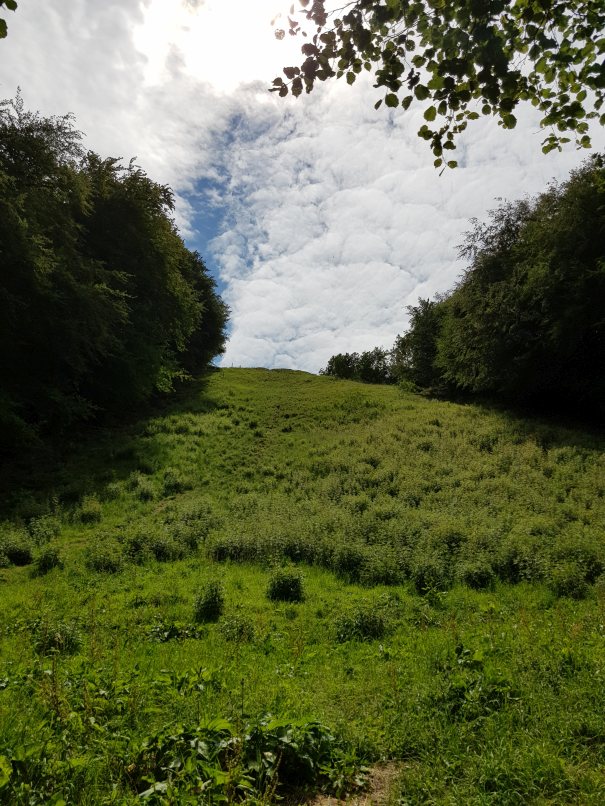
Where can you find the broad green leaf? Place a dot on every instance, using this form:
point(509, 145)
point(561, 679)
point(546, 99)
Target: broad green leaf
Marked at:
point(6, 771)
point(391, 99)
point(430, 114)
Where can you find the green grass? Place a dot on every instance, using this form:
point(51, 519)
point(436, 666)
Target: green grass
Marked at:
point(452, 614)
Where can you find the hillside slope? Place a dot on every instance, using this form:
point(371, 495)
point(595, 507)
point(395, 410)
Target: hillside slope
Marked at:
point(424, 578)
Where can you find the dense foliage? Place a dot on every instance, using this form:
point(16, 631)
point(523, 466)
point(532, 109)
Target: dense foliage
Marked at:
point(371, 366)
point(464, 58)
point(525, 323)
point(101, 303)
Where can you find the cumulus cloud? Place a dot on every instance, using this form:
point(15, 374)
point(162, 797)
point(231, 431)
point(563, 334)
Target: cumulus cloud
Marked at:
point(338, 221)
point(322, 217)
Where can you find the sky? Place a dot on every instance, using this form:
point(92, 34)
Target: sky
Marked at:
point(320, 217)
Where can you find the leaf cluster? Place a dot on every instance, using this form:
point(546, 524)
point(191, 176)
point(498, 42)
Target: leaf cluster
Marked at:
point(463, 59)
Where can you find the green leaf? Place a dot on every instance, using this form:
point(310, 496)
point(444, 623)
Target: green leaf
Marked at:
point(11, 4)
point(378, 104)
point(350, 78)
point(430, 114)
point(6, 770)
point(3, 29)
point(452, 164)
point(421, 92)
point(391, 100)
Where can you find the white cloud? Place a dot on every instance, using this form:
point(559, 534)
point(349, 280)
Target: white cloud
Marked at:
point(335, 219)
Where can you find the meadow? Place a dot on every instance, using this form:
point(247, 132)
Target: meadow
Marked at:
point(276, 583)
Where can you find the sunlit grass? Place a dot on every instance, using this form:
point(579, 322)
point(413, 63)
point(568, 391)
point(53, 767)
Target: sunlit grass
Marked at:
point(452, 602)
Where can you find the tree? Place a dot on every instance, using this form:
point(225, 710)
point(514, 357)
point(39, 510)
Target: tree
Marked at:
point(414, 353)
point(101, 303)
point(526, 322)
point(463, 59)
point(11, 5)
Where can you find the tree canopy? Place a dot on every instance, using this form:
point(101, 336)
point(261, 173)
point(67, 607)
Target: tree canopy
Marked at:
point(463, 59)
point(101, 303)
point(525, 324)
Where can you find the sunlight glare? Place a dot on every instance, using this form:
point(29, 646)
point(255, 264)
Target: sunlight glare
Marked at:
point(223, 42)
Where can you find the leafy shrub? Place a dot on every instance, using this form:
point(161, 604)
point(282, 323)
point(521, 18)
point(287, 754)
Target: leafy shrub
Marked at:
point(105, 557)
point(15, 546)
point(273, 756)
point(429, 572)
point(477, 573)
point(237, 629)
point(520, 558)
point(165, 548)
point(44, 529)
point(349, 559)
point(365, 623)
point(568, 578)
point(55, 636)
point(112, 491)
point(174, 482)
point(286, 585)
point(47, 559)
point(90, 510)
point(209, 604)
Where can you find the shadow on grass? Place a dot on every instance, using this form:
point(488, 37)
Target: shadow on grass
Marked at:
point(82, 462)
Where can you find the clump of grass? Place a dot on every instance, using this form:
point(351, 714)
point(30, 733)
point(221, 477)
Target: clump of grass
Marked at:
point(568, 578)
point(90, 510)
point(477, 573)
point(50, 636)
point(174, 482)
point(364, 623)
point(237, 629)
point(209, 604)
point(286, 585)
point(16, 548)
point(47, 559)
point(44, 529)
point(105, 556)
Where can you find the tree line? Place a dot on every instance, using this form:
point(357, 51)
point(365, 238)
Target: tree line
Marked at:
point(526, 322)
point(101, 304)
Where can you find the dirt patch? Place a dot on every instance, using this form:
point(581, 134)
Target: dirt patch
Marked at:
point(380, 783)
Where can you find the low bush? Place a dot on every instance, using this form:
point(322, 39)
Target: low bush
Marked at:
point(105, 556)
point(365, 623)
point(209, 604)
point(286, 585)
point(90, 510)
point(237, 629)
point(15, 546)
point(51, 636)
point(568, 578)
point(47, 559)
point(44, 529)
point(477, 573)
point(174, 482)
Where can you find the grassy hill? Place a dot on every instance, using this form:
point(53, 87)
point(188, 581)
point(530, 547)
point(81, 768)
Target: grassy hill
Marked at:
point(281, 579)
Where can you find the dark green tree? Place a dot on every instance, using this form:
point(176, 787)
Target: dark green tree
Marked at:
point(463, 59)
point(415, 352)
point(526, 322)
point(101, 303)
point(342, 365)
